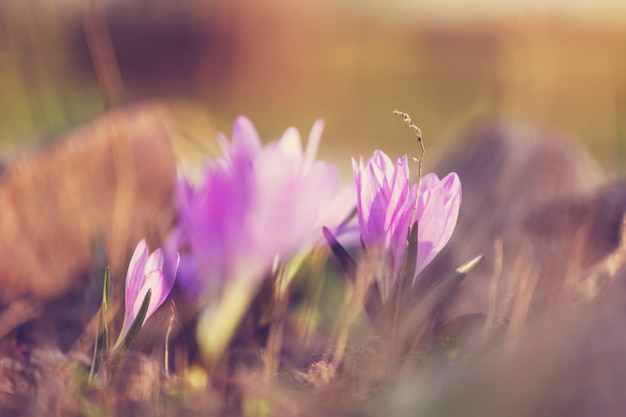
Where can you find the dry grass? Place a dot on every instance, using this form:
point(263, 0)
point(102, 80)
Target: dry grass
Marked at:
point(535, 328)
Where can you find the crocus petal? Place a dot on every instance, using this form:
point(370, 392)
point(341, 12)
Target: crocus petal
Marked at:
point(438, 218)
point(362, 209)
point(154, 280)
point(289, 146)
point(340, 207)
point(134, 276)
point(313, 143)
point(257, 204)
point(245, 137)
point(160, 280)
point(146, 273)
point(399, 192)
point(388, 205)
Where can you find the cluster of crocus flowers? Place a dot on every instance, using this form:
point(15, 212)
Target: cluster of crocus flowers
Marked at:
point(149, 280)
point(388, 206)
point(258, 207)
point(255, 206)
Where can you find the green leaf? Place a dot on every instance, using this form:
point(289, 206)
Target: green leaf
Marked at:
point(410, 262)
point(106, 289)
point(287, 272)
point(407, 273)
point(218, 323)
point(420, 309)
point(444, 288)
point(103, 339)
point(345, 260)
point(469, 265)
point(138, 323)
point(101, 346)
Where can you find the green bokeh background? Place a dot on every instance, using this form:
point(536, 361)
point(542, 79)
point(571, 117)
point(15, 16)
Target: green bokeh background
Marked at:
point(351, 63)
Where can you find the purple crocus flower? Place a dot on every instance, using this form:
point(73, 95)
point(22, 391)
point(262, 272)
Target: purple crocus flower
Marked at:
point(256, 204)
point(386, 203)
point(146, 272)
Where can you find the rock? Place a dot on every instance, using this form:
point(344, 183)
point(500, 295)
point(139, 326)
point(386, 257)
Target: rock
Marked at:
point(112, 178)
point(545, 201)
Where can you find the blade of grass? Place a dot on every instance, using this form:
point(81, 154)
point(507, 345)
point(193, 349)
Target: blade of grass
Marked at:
point(138, 323)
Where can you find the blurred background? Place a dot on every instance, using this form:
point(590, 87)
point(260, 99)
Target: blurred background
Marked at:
point(448, 64)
